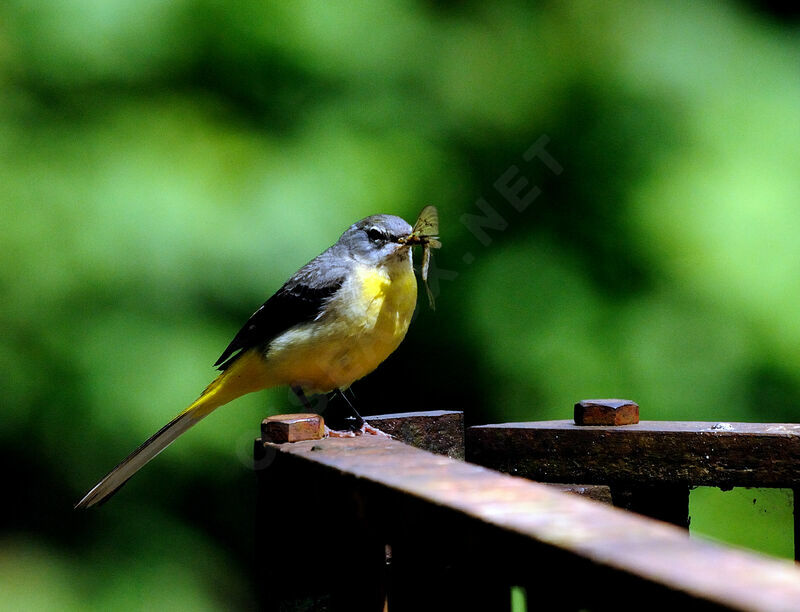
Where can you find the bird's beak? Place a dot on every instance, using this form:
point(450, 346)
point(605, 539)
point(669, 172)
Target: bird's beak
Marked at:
point(411, 239)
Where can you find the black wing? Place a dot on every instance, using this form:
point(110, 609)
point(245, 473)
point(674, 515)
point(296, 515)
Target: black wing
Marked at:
point(300, 300)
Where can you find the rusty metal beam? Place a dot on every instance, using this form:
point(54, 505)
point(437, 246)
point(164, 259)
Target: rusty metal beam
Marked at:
point(648, 453)
point(437, 431)
point(600, 493)
point(485, 531)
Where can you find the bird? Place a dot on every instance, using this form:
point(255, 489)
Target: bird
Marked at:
point(333, 322)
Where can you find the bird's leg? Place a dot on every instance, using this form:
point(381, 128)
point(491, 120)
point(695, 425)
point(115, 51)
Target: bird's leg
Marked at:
point(364, 427)
point(298, 391)
point(345, 421)
point(359, 426)
point(348, 433)
point(358, 420)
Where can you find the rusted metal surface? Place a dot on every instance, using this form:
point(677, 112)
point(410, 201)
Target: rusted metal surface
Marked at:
point(600, 493)
point(690, 453)
point(292, 427)
point(494, 526)
point(606, 412)
point(316, 548)
point(437, 431)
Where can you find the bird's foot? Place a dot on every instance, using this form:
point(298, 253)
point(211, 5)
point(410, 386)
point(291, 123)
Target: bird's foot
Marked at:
point(335, 433)
point(365, 428)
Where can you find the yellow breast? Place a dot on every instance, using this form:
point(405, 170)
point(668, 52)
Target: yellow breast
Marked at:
point(363, 324)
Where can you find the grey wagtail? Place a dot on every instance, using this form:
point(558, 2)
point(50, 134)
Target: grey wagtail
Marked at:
point(334, 321)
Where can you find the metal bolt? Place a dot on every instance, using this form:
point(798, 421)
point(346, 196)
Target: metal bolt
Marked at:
point(282, 428)
point(606, 412)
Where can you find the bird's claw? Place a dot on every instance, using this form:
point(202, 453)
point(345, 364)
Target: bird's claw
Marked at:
point(365, 429)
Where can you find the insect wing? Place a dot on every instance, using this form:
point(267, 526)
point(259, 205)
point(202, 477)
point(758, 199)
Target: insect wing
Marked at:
point(427, 225)
point(426, 261)
point(426, 229)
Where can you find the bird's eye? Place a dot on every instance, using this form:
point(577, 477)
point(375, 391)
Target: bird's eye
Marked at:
point(375, 234)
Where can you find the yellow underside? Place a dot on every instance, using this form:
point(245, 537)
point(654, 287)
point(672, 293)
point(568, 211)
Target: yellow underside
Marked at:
point(363, 325)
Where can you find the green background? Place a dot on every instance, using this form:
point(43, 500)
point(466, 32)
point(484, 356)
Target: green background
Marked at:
point(165, 166)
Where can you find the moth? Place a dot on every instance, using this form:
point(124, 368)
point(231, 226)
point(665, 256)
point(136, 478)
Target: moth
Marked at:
point(426, 234)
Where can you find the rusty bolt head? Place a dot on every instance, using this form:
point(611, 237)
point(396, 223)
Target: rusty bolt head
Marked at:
point(606, 412)
point(282, 428)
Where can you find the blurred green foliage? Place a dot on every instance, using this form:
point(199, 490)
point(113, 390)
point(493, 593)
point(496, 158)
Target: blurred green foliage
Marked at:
point(762, 517)
point(164, 166)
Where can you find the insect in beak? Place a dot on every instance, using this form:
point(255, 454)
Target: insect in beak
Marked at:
point(425, 234)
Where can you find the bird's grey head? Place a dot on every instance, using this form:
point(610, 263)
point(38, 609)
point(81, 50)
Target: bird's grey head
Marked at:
point(376, 238)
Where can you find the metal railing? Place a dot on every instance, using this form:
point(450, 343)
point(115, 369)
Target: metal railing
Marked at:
point(371, 523)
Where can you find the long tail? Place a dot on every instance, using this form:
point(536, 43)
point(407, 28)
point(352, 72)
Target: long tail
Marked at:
point(246, 374)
